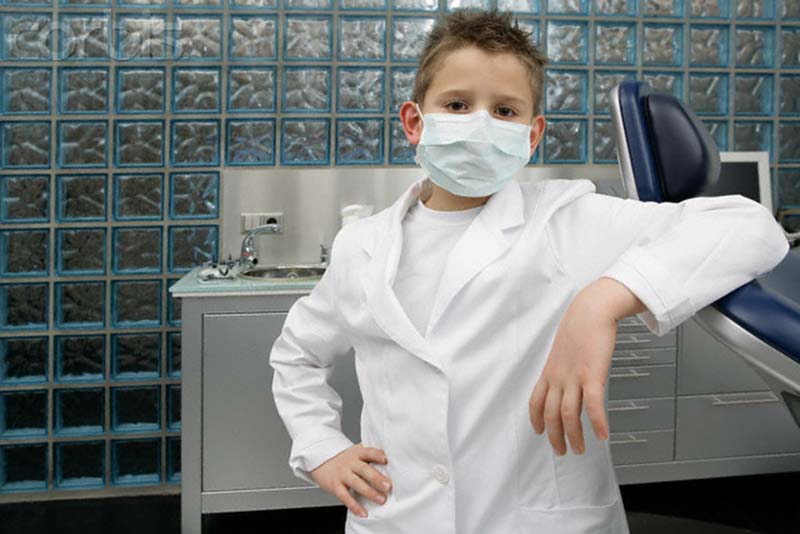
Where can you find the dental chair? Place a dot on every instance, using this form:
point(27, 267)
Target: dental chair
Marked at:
point(666, 155)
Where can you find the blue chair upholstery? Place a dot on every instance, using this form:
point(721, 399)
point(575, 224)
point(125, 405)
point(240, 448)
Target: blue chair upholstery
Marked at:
point(667, 155)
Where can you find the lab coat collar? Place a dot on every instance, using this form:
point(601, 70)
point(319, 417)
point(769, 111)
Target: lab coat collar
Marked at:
point(481, 243)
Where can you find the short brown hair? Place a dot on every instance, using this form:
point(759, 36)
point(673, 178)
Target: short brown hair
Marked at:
point(490, 31)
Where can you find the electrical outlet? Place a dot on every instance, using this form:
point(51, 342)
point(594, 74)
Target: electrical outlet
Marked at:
point(251, 220)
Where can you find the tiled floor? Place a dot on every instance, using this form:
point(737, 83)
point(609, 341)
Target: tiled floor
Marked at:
point(765, 504)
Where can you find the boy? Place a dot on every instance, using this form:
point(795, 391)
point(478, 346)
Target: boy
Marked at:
point(483, 311)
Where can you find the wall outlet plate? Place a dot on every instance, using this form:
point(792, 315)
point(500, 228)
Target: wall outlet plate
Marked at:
point(251, 220)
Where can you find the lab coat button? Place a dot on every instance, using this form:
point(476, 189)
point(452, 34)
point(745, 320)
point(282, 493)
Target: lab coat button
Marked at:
point(440, 473)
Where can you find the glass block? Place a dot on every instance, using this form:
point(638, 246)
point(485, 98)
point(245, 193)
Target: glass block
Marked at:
point(23, 467)
point(174, 353)
point(140, 90)
point(359, 141)
point(194, 195)
point(26, 144)
point(402, 86)
point(80, 251)
point(709, 46)
point(362, 38)
point(662, 8)
point(719, 9)
point(253, 37)
point(137, 250)
point(307, 4)
point(139, 143)
point(754, 46)
point(190, 246)
point(24, 198)
point(663, 44)
point(80, 465)
point(79, 358)
point(416, 5)
point(138, 196)
point(615, 43)
point(362, 4)
point(708, 93)
point(360, 89)
point(308, 37)
point(615, 7)
point(250, 142)
point(174, 459)
point(306, 89)
point(604, 82)
point(23, 360)
point(23, 306)
point(81, 198)
point(136, 303)
point(568, 7)
point(26, 90)
point(85, 36)
point(790, 95)
point(719, 132)
point(135, 356)
point(199, 3)
point(665, 82)
point(305, 142)
point(251, 89)
point(788, 134)
point(566, 91)
point(408, 37)
point(790, 9)
point(24, 252)
point(198, 37)
point(567, 42)
point(195, 142)
point(565, 141)
point(23, 414)
point(136, 462)
point(752, 136)
point(80, 304)
point(79, 411)
point(400, 150)
point(195, 89)
point(753, 94)
point(174, 407)
point(755, 9)
point(82, 143)
point(141, 37)
point(83, 90)
point(36, 29)
point(254, 4)
point(142, 3)
point(789, 187)
point(790, 47)
point(530, 26)
point(135, 409)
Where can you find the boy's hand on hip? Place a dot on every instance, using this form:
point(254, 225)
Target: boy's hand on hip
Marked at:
point(577, 367)
point(351, 469)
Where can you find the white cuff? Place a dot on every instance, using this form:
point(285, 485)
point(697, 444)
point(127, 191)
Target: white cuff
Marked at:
point(311, 457)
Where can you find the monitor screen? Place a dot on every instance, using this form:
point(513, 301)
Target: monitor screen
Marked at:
point(736, 177)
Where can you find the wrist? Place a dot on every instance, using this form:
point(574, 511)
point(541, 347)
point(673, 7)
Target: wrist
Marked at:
point(612, 298)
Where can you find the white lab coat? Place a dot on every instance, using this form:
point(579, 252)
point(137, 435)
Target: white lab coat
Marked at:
point(505, 287)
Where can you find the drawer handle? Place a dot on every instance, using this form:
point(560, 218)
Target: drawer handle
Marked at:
point(635, 357)
point(720, 402)
point(629, 408)
point(635, 374)
point(631, 439)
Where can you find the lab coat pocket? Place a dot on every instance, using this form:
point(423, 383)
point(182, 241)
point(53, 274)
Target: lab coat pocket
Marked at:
point(602, 519)
point(374, 510)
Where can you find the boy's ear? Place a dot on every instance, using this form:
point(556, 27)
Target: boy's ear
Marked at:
point(537, 132)
point(412, 123)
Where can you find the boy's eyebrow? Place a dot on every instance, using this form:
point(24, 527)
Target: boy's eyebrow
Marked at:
point(503, 98)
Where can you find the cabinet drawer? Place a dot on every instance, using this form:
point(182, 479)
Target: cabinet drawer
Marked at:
point(641, 414)
point(641, 447)
point(643, 356)
point(639, 382)
point(645, 340)
point(631, 324)
point(734, 424)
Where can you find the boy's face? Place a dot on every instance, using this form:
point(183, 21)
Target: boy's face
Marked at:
point(470, 79)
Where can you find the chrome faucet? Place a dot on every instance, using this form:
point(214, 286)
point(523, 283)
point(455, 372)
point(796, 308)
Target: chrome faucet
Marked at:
point(247, 257)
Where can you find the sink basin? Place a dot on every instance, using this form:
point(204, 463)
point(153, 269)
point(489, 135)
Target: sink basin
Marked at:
point(284, 272)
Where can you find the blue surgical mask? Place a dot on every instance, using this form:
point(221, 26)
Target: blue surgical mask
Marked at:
point(471, 154)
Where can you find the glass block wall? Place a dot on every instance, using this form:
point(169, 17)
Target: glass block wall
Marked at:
point(118, 118)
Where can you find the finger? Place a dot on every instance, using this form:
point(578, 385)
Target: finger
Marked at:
point(594, 400)
point(360, 485)
point(571, 416)
point(371, 454)
point(536, 405)
point(552, 418)
point(343, 494)
point(376, 479)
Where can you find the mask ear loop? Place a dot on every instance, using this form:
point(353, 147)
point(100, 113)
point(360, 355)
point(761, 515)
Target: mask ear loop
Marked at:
point(419, 112)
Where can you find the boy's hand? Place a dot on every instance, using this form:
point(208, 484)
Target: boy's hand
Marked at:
point(578, 364)
point(350, 470)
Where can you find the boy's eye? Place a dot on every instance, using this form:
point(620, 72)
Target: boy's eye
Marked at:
point(505, 111)
point(455, 106)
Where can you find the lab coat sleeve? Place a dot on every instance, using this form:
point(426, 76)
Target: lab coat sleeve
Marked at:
point(303, 358)
point(675, 257)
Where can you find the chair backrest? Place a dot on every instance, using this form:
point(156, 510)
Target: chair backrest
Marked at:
point(664, 151)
